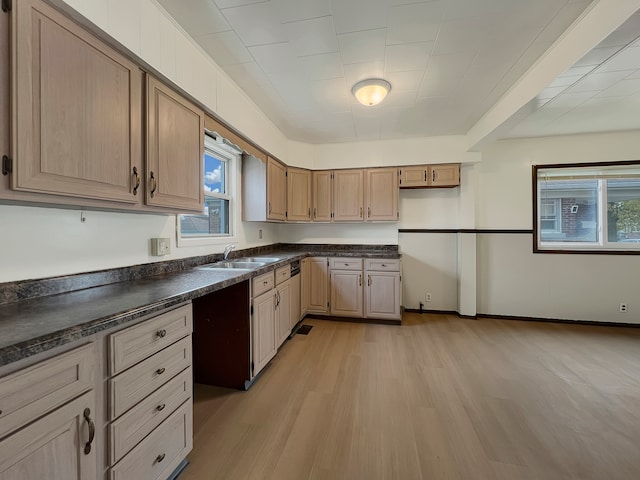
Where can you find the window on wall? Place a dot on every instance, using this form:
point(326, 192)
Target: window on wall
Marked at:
point(217, 222)
point(587, 208)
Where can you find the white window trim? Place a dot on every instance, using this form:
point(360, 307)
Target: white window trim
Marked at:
point(233, 157)
point(600, 246)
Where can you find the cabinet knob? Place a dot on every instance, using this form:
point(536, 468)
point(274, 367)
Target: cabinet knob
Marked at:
point(160, 371)
point(161, 333)
point(161, 407)
point(160, 457)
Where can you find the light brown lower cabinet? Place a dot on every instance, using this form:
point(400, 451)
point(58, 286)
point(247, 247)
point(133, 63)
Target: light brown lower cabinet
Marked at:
point(263, 326)
point(57, 446)
point(318, 284)
point(382, 292)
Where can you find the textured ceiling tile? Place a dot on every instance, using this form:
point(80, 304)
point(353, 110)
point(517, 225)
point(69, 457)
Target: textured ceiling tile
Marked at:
point(360, 47)
point(256, 24)
point(312, 37)
point(402, 81)
point(198, 17)
point(321, 67)
point(355, 72)
point(294, 10)
point(275, 58)
point(418, 22)
point(358, 15)
point(409, 56)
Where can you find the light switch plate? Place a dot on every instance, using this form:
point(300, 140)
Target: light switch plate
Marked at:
point(160, 246)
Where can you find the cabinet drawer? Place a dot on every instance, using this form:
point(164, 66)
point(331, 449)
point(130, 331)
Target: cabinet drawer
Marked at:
point(382, 264)
point(136, 343)
point(161, 452)
point(137, 423)
point(34, 391)
point(283, 274)
point(262, 283)
point(346, 263)
point(131, 386)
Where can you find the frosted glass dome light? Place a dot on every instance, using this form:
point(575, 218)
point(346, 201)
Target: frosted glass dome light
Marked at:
point(372, 91)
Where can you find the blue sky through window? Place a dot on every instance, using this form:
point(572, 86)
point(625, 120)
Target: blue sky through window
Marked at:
point(214, 171)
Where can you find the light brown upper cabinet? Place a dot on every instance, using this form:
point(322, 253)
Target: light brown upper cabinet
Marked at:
point(264, 189)
point(422, 176)
point(298, 194)
point(77, 112)
point(276, 190)
point(381, 187)
point(322, 195)
point(444, 175)
point(348, 195)
point(412, 177)
point(175, 150)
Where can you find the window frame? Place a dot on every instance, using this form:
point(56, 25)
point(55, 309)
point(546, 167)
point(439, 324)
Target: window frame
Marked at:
point(221, 150)
point(603, 246)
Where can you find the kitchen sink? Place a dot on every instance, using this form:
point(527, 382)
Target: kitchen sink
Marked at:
point(239, 265)
point(260, 259)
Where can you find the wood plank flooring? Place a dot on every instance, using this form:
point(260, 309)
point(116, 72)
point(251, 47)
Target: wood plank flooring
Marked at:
point(439, 397)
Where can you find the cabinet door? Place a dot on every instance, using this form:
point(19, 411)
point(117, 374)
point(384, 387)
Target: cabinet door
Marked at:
point(382, 295)
point(414, 176)
point(54, 446)
point(444, 175)
point(296, 312)
point(346, 293)
point(305, 294)
point(78, 110)
point(322, 196)
point(298, 195)
point(318, 285)
point(175, 150)
point(263, 335)
point(276, 190)
point(348, 195)
point(382, 194)
point(283, 312)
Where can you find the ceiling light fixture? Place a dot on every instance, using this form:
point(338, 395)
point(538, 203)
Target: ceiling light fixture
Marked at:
point(371, 92)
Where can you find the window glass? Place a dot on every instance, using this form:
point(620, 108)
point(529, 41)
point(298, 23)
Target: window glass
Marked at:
point(588, 207)
point(216, 221)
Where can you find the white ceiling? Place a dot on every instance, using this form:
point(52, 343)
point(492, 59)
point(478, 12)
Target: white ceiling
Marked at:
point(600, 93)
point(448, 62)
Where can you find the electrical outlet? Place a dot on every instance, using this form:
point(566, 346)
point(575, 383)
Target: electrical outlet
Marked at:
point(427, 297)
point(160, 246)
point(623, 308)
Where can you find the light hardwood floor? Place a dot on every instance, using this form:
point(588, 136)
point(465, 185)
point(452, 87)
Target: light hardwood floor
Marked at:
point(438, 398)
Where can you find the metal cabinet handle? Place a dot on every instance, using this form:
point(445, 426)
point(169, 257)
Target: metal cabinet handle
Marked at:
point(309, 213)
point(161, 333)
point(269, 208)
point(159, 458)
point(369, 280)
point(265, 282)
point(360, 212)
point(160, 371)
point(383, 265)
point(433, 175)
point(154, 184)
point(315, 213)
point(425, 175)
point(92, 430)
point(136, 176)
point(368, 212)
point(360, 280)
point(161, 407)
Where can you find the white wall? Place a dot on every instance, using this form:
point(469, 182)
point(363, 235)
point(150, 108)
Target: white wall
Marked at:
point(511, 280)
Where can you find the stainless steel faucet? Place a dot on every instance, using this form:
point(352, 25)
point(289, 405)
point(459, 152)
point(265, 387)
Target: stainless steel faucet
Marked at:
point(227, 250)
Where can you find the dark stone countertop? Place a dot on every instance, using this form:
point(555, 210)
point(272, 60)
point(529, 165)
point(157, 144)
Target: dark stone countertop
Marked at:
point(28, 327)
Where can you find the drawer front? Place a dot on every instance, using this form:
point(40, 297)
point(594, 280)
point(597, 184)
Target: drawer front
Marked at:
point(262, 283)
point(283, 274)
point(137, 423)
point(382, 264)
point(131, 386)
point(157, 456)
point(136, 343)
point(34, 391)
point(346, 263)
